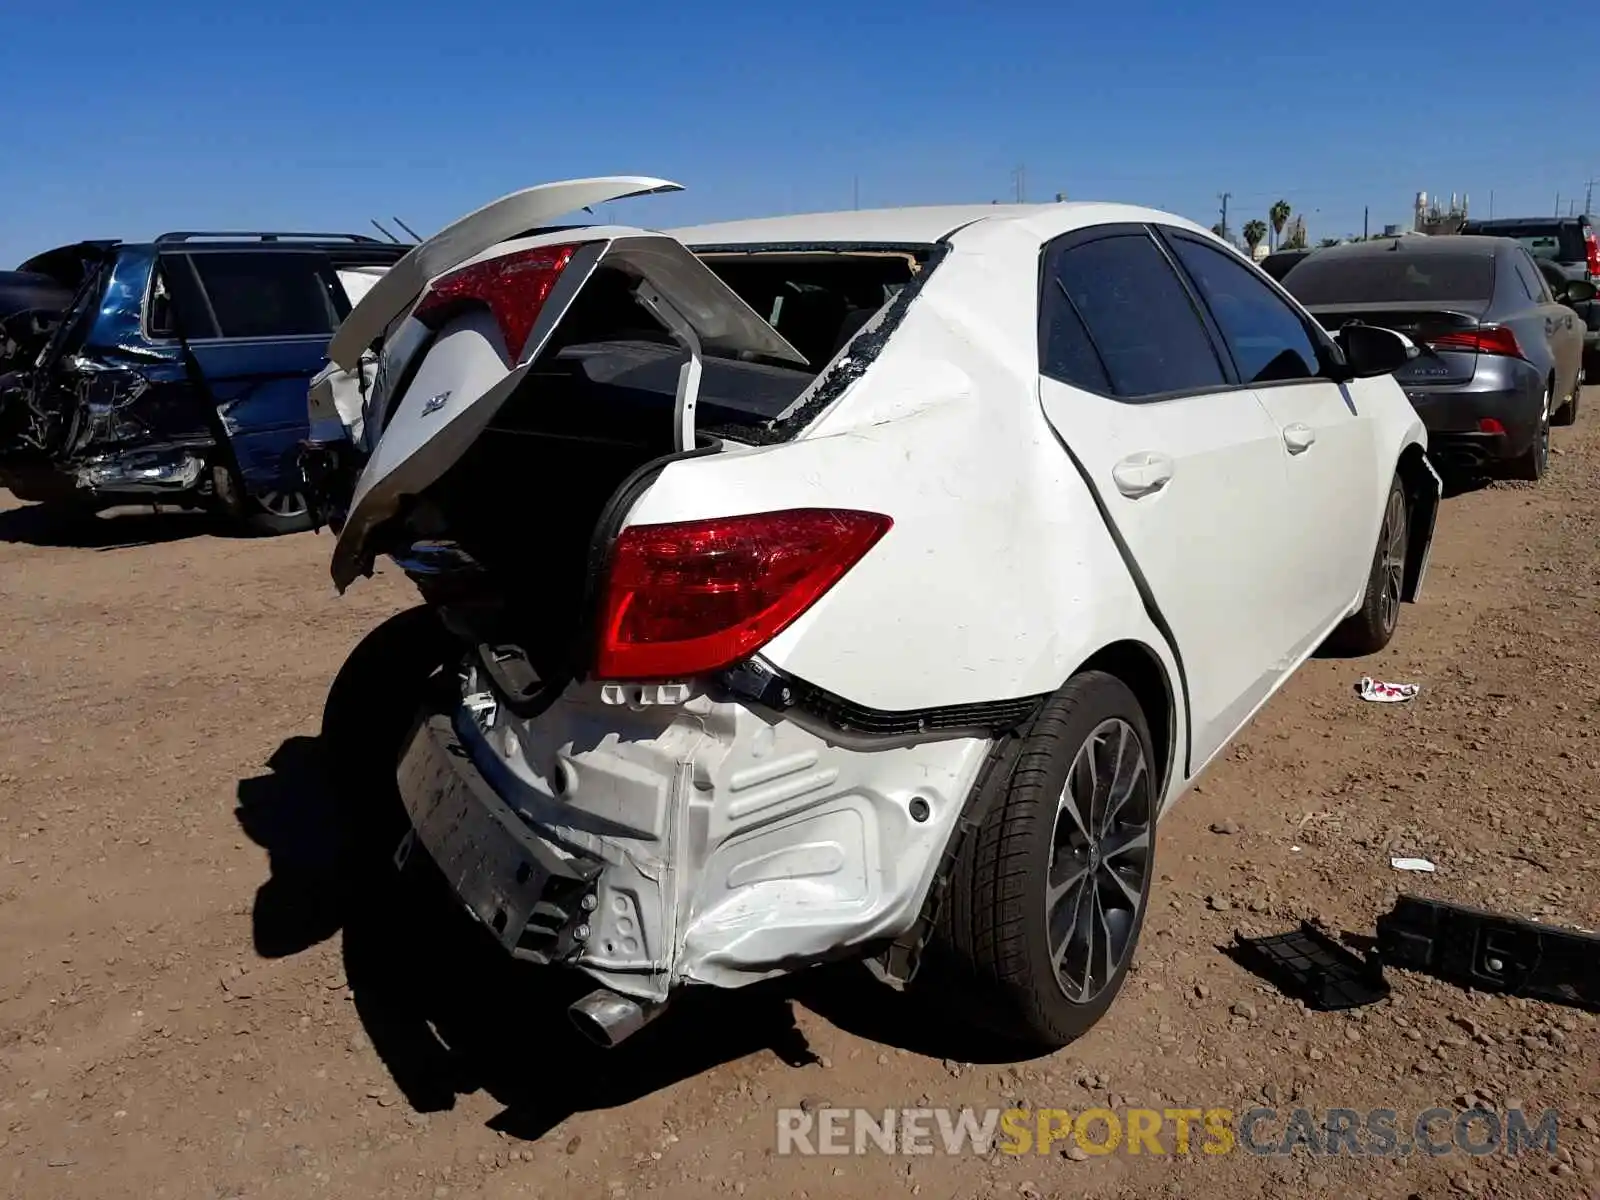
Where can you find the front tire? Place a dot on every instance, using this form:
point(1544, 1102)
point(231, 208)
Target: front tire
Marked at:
point(1049, 891)
point(1373, 625)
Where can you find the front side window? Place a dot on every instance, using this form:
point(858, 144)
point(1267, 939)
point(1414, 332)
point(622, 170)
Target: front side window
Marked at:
point(1265, 335)
point(1128, 327)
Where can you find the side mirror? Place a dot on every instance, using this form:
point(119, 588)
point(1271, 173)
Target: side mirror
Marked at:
point(1578, 291)
point(1370, 350)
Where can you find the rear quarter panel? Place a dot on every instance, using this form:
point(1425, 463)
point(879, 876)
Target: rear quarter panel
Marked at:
point(998, 578)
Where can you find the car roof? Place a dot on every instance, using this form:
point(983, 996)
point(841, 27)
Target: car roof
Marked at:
point(1456, 244)
point(1515, 222)
point(913, 226)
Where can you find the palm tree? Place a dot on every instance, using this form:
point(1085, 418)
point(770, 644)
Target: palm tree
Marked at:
point(1254, 232)
point(1278, 214)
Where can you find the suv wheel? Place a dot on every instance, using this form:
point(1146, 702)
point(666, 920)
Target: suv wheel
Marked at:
point(1049, 891)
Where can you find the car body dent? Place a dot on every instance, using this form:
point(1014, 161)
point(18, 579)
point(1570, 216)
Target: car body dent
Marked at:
point(461, 240)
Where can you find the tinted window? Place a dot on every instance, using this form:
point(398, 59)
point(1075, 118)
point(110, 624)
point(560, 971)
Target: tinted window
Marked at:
point(1067, 352)
point(269, 295)
point(1561, 241)
point(1527, 276)
point(1266, 337)
point(1391, 276)
point(1138, 316)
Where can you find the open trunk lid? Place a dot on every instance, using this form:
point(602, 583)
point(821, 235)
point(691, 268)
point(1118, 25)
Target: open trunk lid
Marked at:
point(1422, 326)
point(456, 365)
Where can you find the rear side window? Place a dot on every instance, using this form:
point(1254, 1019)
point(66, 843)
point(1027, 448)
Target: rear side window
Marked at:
point(1528, 276)
point(1392, 276)
point(1264, 334)
point(256, 295)
point(1129, 326)
point(1559, 241)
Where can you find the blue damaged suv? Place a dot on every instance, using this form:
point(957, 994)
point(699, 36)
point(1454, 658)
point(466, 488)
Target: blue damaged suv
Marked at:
point(174, 370)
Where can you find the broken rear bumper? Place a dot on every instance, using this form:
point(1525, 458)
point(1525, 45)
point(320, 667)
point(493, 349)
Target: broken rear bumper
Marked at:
point(653, 840)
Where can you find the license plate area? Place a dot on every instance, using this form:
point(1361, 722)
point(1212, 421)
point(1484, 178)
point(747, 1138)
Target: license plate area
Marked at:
point(524, 891)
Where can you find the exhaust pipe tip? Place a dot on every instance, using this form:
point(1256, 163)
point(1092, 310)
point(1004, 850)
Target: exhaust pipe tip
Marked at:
point(608, 1018)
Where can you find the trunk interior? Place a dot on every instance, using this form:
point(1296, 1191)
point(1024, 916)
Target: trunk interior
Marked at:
point(507, 545)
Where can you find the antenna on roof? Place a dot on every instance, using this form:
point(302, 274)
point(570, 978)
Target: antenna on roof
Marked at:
point(384, 231)
point(406, 227)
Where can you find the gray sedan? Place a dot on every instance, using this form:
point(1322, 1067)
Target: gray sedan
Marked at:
point(1500, 353)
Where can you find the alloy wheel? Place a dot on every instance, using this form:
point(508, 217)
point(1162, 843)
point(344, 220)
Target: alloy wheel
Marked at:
point(1392, 556)
point(1100, 860)
point(284, 504)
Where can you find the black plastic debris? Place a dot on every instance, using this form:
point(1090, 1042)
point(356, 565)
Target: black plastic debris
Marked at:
point(1476, 949)
point(1311, 966)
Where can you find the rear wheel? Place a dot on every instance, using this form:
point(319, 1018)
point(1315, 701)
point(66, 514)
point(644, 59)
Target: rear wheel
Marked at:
point(370, 712)
point(274, 512)
point(1530, 464)
point(1374, 623)
point(1049, 892)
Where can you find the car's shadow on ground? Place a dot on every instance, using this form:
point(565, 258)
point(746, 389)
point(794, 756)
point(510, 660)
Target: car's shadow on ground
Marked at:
point(450, 1013)
point(45, 525)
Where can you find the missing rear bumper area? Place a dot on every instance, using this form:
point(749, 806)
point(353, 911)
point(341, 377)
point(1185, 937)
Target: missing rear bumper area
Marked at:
point(653, 845)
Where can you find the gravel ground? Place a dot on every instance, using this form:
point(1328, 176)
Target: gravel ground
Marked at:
point(186, 1012)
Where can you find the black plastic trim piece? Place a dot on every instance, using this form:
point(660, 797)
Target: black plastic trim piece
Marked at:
point(758, 681)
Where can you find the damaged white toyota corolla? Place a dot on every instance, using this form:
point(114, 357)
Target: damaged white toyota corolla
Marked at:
point(849, 585)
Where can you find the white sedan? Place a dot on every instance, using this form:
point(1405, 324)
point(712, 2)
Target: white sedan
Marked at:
point(854, 584)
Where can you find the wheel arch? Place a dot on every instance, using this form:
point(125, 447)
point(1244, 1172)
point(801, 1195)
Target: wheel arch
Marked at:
point(1141, 669)
point(1423, 489)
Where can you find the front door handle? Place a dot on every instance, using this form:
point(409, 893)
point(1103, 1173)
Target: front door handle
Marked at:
point(1298, 437)
point(1142, 474)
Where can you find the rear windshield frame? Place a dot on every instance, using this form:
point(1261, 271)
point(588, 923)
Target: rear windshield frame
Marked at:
point(838, 374)
point(1380, 284)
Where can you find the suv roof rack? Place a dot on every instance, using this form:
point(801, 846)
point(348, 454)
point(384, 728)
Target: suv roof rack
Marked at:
point(191, 235)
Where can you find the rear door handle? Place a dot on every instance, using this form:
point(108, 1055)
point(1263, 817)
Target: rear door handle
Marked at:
point(1142, 474)
point(1298, 437)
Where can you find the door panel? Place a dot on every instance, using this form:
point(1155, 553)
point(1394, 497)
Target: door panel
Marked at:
point(1192, 485)
point(1328, 447)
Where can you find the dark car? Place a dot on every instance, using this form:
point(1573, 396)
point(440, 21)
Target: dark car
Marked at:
point(1280, 262)
point(1500, 354)
point(1572, 244)
point(175, 369)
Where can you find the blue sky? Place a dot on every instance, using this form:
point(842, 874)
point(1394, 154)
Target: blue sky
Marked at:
point(122, 120)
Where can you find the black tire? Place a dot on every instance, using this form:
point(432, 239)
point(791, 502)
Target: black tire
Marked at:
point(995, 934)
point(370, 711)
point(1530, 464)
point(276, 514)
point(1372, 626)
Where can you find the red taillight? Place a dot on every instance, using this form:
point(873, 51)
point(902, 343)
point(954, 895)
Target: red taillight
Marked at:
point(690, 597)
point(1591, 249)
point(1490, 425)
point(1487, 339)
point(513, 287)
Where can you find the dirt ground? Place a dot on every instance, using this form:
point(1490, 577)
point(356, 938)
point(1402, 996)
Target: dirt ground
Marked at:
point(186, 1012)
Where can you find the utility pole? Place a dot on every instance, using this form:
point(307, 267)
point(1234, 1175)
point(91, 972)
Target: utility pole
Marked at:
point(1366, 212)
point(1491, 204)
point(1020, 178)
point(1224, 197)
point(1557, 212)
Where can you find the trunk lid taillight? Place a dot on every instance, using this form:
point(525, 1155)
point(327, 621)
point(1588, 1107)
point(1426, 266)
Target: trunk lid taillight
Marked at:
point(513, 287)
point(690, 597)
point(1485, 339)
